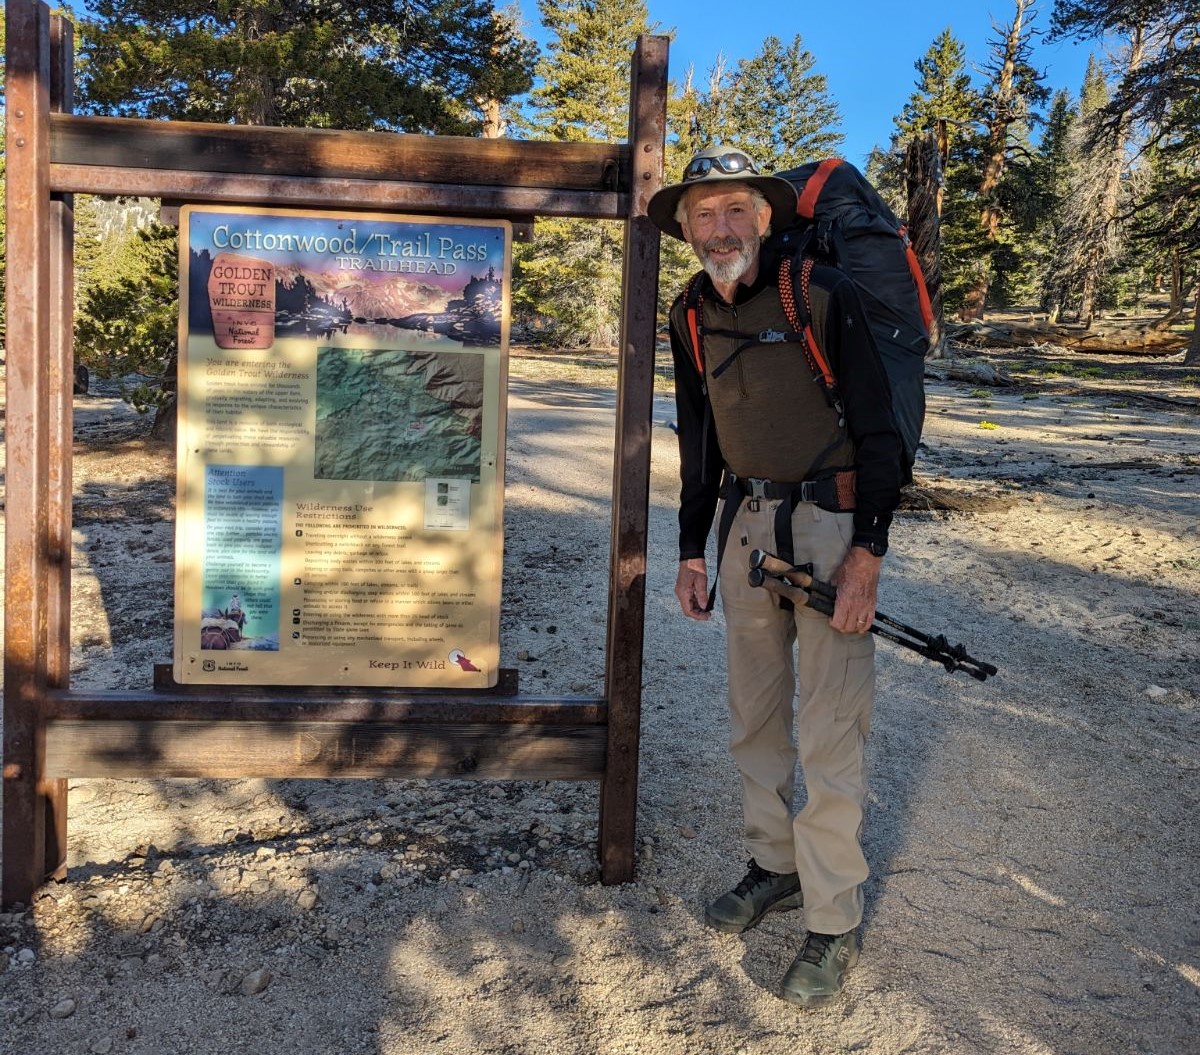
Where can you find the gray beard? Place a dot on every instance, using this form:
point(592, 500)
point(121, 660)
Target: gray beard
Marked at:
point(726, 271)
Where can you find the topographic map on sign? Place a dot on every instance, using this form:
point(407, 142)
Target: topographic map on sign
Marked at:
point(385, 414)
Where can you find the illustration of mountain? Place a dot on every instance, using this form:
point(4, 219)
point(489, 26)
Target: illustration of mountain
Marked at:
point(309, 303)
point(388, 298)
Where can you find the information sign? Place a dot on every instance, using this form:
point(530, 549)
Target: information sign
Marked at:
point(341, 446)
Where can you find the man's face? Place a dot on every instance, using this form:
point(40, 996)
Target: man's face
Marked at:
point(724, 230)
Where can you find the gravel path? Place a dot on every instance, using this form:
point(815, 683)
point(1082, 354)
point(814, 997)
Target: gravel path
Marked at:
point(1033, 839)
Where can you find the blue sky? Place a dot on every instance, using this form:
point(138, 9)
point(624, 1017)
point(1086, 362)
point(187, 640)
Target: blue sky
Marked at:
point(866, 49)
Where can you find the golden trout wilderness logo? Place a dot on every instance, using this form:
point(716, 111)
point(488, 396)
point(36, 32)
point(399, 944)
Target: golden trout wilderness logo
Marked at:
point(241, 297)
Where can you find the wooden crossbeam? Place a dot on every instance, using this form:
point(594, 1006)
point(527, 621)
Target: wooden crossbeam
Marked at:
point(193, 161)
point(122, 142)
point(276, 750)
point(282, 705)
point(321, 192)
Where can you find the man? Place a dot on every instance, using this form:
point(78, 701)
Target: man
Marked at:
point(797, 472)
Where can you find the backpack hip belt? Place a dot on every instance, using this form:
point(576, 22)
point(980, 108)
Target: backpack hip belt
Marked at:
point(834, 493)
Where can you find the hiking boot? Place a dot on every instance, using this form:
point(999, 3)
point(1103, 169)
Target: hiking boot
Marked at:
point(816, 975)
point(757, 893)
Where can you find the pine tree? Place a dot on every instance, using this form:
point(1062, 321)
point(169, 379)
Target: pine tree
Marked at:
point(1018, 257)
point(780, 112)
point(385, 64)
point(943, 91)
point(1160, 93)
point(1164, 223)
point(944, 105)
point(126, 324)
point(771, 106)
point(106, 240)
point(1049, 186)
point(569, 278)
point(584, 91)
point(714, 116)
point(688, 131)
point(370, 64)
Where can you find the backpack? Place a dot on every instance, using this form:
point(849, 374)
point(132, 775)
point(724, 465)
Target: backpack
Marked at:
point(843, 220)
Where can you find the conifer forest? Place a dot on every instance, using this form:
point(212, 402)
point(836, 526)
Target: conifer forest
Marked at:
point(1077, 207)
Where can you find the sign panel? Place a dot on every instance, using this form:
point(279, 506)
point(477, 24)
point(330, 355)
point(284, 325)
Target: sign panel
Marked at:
point(341, 446)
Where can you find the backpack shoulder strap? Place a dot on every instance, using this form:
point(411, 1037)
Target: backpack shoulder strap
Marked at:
point(693, 301)
point(795, 275)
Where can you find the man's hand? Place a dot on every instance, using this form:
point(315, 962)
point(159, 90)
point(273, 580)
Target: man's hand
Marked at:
point(856, 579)
point(691, 587)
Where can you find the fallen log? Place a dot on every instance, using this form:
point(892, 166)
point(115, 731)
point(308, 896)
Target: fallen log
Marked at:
point(970, 372)
point(1144, 340)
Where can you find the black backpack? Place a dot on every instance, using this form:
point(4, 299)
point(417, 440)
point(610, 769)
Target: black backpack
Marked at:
point(842, 220)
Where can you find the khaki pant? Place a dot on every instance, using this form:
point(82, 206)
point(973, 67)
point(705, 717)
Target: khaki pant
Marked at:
point(835, 688)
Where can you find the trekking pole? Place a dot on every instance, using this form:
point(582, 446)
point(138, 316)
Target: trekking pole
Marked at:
point(796, 583)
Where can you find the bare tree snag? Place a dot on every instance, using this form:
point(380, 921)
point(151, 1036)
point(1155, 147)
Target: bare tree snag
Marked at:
point(923, 175)
point(1004, 112)
point(1192, 358)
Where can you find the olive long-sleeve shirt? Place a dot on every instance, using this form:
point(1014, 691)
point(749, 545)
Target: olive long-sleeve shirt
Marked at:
point(774, 417)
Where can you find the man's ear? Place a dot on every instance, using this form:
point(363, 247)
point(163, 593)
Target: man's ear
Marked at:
point(764, 221)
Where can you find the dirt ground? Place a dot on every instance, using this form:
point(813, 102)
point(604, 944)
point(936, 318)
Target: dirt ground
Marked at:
point(1033, 839)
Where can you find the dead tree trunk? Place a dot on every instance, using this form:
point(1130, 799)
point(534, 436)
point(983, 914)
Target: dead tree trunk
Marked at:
point(923, 175)
point(1102, 246)
point(493, 123)
point(1004, 113)
point(1175, 309)
point(1192, 355)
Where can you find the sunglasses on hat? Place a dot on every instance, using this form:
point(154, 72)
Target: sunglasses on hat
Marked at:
point(731, 164)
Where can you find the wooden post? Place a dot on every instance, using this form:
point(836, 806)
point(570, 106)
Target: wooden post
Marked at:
point(631, 471)
point(60, 385)
point(29, 805)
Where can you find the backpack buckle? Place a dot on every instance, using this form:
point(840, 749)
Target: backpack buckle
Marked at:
point(772, 337)
point(754, 487)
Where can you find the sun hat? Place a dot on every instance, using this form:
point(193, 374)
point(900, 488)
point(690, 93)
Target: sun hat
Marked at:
point(721, 164)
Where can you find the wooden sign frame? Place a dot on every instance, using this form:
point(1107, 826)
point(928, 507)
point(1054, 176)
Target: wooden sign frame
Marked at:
point(52, 732)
